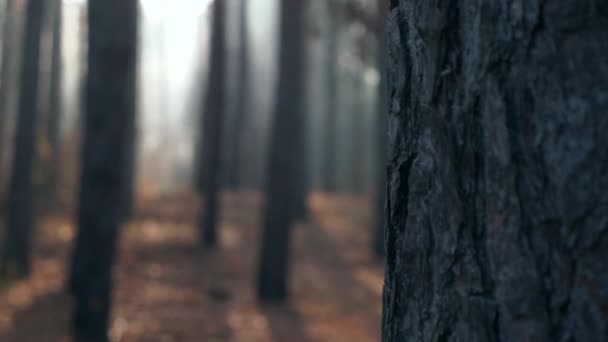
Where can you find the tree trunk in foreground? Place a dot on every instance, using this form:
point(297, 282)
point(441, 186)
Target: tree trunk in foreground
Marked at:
point(498, 174)
point(215, 104)
point(281, 183)
point(16, 258)
point(111, 68)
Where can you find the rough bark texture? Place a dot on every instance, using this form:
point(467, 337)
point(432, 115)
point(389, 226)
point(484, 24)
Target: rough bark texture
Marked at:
point(498, 173)
point(242, 110)
point(285, 144)
point(213, 123)
point(111, 65)
point(16, 258)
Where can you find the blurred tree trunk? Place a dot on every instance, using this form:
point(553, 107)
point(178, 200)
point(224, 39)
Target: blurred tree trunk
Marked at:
point(109, 105)
point(356, 148)
point(8, 39)
point(131, 132)
point(16, 258)
point(301, 159)
point(331, 116)
point(242, 111)
point(130, 158)
point(213, 120)
point(497, 214)
point(382, 120)
point(301, 155)
point(285, 144)
point(55, 96)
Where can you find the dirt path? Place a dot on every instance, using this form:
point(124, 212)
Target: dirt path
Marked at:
point(168, 289)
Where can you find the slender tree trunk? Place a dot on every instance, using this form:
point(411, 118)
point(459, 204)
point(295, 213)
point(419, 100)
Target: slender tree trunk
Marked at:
point(330, 140)
point(498, 174)
point(242, 104)
point(16, 258)
point(302, 153)
point(130, 158)
point(8, 38)
point(301, 156)
point(215, 104)
point(301, 159)
point(54, 115)
point(356, 148)
point(109, 105)
point(281, 193)
point(382, 102)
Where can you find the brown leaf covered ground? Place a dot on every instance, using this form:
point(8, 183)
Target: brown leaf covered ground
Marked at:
point(167, 289)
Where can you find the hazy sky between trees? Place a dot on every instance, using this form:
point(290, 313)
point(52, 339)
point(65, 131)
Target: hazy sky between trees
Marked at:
point(177, 30)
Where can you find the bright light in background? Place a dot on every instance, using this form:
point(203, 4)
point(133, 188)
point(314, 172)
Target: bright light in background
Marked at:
point(156, 7)
point(166, 9)
point(170, 33)
point(173, 51)
point(172, 48)
point(172, 36)
point(170, 10)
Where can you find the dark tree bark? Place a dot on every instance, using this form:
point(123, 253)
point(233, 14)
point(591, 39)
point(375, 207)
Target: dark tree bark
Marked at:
point(498, 174)
point(381, 57)
point(242, 101)
point(285, 144)
point(301, 158)
point(54, 115)
point(8, 42)
point(213, 122)
point(109, 104)
point(131, 132)
point(301, 155)
point(330, 139)
point(130, 158)
point(16, 258)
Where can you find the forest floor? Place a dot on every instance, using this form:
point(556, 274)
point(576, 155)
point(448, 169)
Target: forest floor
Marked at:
point(168, 289)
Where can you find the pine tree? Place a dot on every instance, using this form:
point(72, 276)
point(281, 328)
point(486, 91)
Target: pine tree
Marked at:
point(286, 143)
point(498, 174)
point(213, 125)
point(109, 105)
point(16, 258)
